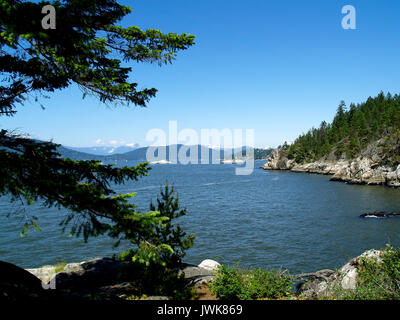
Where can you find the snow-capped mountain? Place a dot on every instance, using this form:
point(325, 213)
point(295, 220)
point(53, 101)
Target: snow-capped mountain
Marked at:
point(106, 150)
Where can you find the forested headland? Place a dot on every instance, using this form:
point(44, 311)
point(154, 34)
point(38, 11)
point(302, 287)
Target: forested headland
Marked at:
point(353, 129)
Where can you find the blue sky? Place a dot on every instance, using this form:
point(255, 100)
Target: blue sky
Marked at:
point(278, 67)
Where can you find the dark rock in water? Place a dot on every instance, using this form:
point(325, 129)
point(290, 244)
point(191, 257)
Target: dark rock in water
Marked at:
point(380, 215)
point(17, 284)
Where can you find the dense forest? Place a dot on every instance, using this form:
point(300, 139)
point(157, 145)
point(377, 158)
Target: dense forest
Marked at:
point(259, 154)
point(352, 130)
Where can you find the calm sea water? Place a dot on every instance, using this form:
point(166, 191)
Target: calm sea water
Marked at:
point(269, 219)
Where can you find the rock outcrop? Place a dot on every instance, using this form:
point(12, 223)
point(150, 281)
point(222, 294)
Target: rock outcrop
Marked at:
point(278, 160)
point(105, 278)
point(366, 169)
point(45, 274)
point(89, 274)
point(210, 265)
point(202, 274)
point(101, 276)
point(321, 283)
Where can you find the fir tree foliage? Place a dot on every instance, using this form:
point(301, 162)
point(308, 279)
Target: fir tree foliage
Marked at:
point(91, 51)
point(88, 49)
point(169, 232)
point(168, 243)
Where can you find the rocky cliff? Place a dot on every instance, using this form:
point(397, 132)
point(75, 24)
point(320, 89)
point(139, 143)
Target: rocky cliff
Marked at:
point(368, 168)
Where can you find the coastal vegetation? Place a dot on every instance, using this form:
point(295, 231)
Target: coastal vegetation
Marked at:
point(250, 284)
point(378, 278)
point(259, 154)
point(352, 130)
point(375, 275)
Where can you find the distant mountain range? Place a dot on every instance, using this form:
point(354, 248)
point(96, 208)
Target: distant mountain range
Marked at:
point(77, 155)
point(105, 150)
point(141, 153)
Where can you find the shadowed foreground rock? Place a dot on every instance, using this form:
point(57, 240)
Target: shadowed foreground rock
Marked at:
point(104, 278)
point(17, 284)
point(89, 274)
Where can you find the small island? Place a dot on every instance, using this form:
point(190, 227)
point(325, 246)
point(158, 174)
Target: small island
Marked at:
point(161, 162)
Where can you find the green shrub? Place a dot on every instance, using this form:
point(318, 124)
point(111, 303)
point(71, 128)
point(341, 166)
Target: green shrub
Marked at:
point(263, 284)
point(59, 266)
point(228, 284)
point(250, 284)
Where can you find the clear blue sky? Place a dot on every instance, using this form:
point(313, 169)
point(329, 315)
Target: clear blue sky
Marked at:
point(278, 67)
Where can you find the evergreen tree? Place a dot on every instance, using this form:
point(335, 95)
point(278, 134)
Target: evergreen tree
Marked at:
point(90, 50)
point(170, 233)
point(167, 244)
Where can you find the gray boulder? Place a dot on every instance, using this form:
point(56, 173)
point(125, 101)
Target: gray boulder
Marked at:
point(199, 275)
point(45, 274)
point(348, 273)
point(209, 265)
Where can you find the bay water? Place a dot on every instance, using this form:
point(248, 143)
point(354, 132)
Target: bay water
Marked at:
point(270, 219)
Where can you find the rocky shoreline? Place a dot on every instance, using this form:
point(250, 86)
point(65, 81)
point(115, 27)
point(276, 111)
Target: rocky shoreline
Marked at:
point(366, 169)
point(100, 279)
